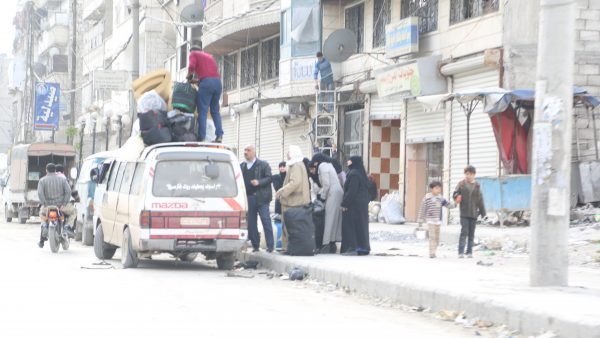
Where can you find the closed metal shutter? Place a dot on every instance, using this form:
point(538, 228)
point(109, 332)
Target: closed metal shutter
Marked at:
point(386, 108)
point(247, 132)
point(296, 134)
point(423, 126)
point(483, 148)
point(270, 140)
point(230, 131)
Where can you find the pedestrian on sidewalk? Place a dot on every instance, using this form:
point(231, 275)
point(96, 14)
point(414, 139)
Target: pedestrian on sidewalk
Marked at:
point(331, 194)
point(295, 191)
point(257, 179)
point(355, 207)
point(431, 213)
point(278, 183)
point(470, 198)
point(203, 70)
point(318, 205)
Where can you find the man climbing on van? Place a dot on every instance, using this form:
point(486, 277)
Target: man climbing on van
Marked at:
point(204, 71)
point(53, 190)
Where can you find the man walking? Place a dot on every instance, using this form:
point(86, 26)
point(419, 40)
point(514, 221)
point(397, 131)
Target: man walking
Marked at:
point(203, 70)
point(468, 194)
point(326, 84)
point(257, 178)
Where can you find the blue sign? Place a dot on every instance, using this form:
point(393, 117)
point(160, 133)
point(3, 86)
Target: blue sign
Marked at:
point(402, 38)
point(47, 102)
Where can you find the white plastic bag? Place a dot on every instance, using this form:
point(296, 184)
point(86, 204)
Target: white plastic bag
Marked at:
point(391, 208)
point(151, 101)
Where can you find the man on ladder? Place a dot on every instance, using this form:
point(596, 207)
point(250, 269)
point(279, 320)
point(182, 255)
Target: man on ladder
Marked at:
point(324, 67)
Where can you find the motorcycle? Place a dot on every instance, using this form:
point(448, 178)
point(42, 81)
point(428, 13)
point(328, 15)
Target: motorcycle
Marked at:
point(57, 236)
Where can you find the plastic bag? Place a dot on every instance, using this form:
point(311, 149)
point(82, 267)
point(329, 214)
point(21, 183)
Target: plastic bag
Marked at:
point(374, 211)
point(391, 208)
point(211, 131)
point(151, 101)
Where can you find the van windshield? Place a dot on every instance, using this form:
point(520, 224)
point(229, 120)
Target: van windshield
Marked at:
point(189, 178)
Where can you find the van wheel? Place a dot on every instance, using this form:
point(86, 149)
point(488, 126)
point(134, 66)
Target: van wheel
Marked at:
point(129, 257)
point(225, 261)
point(101, 249)
point(87, 234)
point(188, 257)
point(7, 214)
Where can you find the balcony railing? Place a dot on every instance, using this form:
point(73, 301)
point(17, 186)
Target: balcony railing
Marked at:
point(214, 12)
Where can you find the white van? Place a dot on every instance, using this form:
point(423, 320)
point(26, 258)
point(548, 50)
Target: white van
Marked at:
point(177, 198)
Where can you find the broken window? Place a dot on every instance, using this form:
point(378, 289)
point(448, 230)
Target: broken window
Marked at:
point(426, 10)
point(269, 65)
point(229, 72)
point(249, 72)
point(381, 17)
point(355, 21)
point(461, 10)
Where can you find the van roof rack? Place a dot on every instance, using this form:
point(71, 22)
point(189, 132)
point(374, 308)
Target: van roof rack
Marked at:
point(147, 150)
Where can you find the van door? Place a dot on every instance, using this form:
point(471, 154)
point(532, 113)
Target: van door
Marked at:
point(136, 204)
point(122, 212)
point(110, 199)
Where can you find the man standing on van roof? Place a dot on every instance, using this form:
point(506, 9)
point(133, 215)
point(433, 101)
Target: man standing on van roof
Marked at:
point(203, 70)
point(257, 179)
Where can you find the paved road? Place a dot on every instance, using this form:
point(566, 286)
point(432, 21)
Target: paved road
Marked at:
point(54, 295)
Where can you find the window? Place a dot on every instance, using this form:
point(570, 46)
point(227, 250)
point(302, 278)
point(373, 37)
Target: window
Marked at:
point(230, 72)
point(113, 176)
point(426, 10)
point(136, 184)
point(104, 173)
point(126, 182)
point(249, 73)
point(353, 134)
point(355, 21)
point(189, 179)
point(269, 65)
point(285, 27)
point(183, 49)
point(461, 10)
point(381, 17)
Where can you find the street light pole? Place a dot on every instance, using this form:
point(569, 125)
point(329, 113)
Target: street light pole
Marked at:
point(107, 132)
point(135, 43)
point(551, 160)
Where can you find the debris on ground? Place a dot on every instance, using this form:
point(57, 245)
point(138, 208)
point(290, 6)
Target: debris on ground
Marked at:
point(297, 274)
point(548, 334)
point(247, 265)
point(482, 263)
point(447, 315)
point(240, 274)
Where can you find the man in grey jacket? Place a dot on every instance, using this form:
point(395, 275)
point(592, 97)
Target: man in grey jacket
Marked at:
point(53, 190)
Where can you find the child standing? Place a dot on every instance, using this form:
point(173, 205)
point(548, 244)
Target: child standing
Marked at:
point(468, 195)
point(431, 213)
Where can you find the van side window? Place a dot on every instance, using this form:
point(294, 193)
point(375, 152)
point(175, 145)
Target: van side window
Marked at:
point(137, 179)
point(126, 183)
point(104, 173)
point(112, 178)
point(119, 178)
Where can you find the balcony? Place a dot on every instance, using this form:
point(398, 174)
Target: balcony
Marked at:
point(55, 19)
point(228, 31)
point(48, 4)
point(57, 36)
point(93, 10)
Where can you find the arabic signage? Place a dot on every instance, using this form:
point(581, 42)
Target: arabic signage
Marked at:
point(111, 79)
point(401, 79)
point(47, 102)
point(303, 69)
point(402, 37)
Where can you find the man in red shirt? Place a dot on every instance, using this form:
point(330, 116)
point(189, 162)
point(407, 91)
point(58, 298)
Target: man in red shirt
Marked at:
point(203, 70)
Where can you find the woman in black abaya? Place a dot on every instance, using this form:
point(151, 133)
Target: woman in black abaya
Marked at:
point(355, 207)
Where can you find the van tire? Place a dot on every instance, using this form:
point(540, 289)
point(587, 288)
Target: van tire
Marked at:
point(188, 257)
point(225, 261)
point(7, 214)
point(87, 234)
point(129, 257)
point(101, 249)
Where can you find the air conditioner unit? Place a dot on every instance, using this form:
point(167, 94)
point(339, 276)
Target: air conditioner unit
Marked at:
point(295, 111)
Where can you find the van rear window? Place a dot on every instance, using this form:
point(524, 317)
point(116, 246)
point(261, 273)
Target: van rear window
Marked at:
point(194, 178)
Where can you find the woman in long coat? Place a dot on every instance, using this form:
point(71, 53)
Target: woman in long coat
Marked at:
point(331, 193)
point(355, 207)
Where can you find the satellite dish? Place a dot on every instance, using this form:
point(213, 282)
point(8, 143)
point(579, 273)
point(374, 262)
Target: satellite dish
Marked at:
point(340, 45)
point(192, 13)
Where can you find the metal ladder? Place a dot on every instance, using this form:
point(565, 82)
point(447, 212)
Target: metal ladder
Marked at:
point(325, 122)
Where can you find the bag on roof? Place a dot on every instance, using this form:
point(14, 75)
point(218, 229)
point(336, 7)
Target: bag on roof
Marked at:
point(184, 97)
point(154, 127)
point(150, 101)
point(183, 127)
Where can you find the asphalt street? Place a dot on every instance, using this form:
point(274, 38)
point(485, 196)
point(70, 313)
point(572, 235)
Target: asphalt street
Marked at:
point(68, 295)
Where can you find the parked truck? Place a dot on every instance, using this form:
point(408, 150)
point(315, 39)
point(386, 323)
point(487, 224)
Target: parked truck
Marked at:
point(26, 166)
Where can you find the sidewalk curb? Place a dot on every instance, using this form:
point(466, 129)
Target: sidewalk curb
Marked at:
point(527, 318)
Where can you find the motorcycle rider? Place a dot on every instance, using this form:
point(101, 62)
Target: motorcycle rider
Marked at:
point(53, 190)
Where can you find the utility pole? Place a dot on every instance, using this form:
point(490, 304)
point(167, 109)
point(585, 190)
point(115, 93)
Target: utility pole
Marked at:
point(73, 65)
point(135, 20)
point(551, 159)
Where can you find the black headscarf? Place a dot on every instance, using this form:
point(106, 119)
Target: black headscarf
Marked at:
point(323, 158)
point(357, 164)
point(315, 176)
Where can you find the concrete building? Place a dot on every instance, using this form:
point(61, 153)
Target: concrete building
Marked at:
point(6, 117)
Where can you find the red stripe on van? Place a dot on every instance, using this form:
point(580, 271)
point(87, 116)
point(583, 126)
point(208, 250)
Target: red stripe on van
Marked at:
point(233, 204)
point(151, 173)
point(183, 236)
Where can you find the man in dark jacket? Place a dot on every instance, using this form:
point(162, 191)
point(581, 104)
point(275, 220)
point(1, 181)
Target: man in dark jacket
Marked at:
point(257, 179)
point(468, 194)
point(278, 184)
